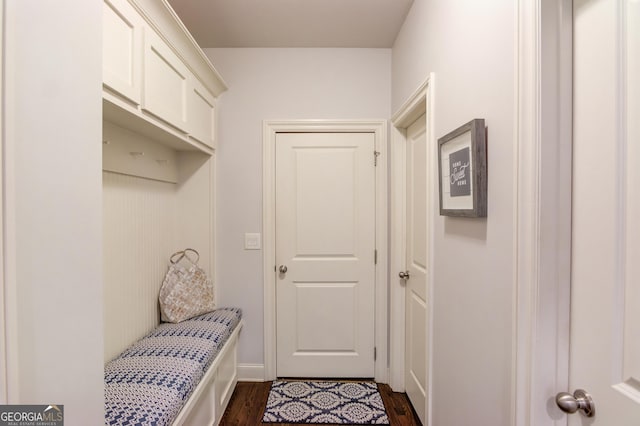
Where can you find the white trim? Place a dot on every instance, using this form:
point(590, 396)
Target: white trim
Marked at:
point(213, 184)
point(270, 128)
point(397, 260)
point(542, 222)
point(269, 250)
point(3, 335)
point(251, 372)
point(527, 135)
point(419, 103)
point(9, 239)
point(413, 107)
point(212, 394)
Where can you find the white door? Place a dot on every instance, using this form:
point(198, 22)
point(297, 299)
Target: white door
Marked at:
point(416, 255)
point(605, 292)
point(325, 243)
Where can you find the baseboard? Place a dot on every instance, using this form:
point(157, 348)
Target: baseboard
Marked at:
point(251, 372)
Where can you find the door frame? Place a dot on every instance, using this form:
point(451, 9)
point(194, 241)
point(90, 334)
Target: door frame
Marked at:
point(9, 342)
point(4, 342)
point(419, 103)
point(542, 209)
point(270, 130)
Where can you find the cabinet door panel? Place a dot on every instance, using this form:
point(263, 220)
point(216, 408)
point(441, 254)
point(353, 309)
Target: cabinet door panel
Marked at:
point(201, 114)
point(122, 49)
point(165, 82)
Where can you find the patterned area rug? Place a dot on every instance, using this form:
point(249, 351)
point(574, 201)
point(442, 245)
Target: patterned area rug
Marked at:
point(312, 402)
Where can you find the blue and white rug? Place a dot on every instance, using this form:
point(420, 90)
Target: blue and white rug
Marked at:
point(312, 402)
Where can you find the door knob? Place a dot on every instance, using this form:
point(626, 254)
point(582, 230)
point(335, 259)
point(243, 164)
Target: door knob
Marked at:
point(283, 269)
point(580, 400)
point(404, 275)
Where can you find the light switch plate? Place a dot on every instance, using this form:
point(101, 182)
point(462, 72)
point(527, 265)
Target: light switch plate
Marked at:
point(251, 241)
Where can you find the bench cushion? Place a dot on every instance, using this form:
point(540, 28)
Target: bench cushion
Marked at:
point(150, 381)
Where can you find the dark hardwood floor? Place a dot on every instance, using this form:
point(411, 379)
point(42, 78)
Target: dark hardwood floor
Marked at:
point(249, 399)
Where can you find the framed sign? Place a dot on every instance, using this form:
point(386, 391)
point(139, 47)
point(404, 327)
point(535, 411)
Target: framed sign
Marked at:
point(462, 167)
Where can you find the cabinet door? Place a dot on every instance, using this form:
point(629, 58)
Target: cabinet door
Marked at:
point(165, 82)
point(201, 114)
point(122, 49)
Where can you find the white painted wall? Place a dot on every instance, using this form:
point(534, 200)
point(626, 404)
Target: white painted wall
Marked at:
point(276, 84)
point(470, 47)
point(53, 207)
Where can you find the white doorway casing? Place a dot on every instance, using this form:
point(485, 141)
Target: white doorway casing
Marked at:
point(542, 225)
point(3, 333)
point(420, 103)
point(9, 347)
point(270, 130)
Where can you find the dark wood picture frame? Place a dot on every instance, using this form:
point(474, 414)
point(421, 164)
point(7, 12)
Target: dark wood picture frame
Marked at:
point(463, 189)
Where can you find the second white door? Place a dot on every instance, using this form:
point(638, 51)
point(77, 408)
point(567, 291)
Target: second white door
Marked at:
point(325, 253)
point(416, 254)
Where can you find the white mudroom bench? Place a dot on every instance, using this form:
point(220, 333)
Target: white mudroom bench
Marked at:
point(178, 374)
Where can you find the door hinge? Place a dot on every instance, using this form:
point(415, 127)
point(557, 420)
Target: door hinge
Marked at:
point(375, 353)
point(376, 154)
point(375, 257)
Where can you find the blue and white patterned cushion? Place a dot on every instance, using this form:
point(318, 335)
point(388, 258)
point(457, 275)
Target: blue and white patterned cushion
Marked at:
point(150, 381)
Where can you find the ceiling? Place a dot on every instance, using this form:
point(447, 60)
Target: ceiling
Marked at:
point(293, 23)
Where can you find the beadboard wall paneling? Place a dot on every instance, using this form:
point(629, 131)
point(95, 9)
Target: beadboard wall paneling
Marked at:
point(138, 239)
point(194, 206)
point(145, 221)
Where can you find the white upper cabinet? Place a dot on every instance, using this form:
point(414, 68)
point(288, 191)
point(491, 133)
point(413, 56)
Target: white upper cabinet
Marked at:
point(166, 81)
point(157, 81)
point(201, 113)
point(120, 49)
